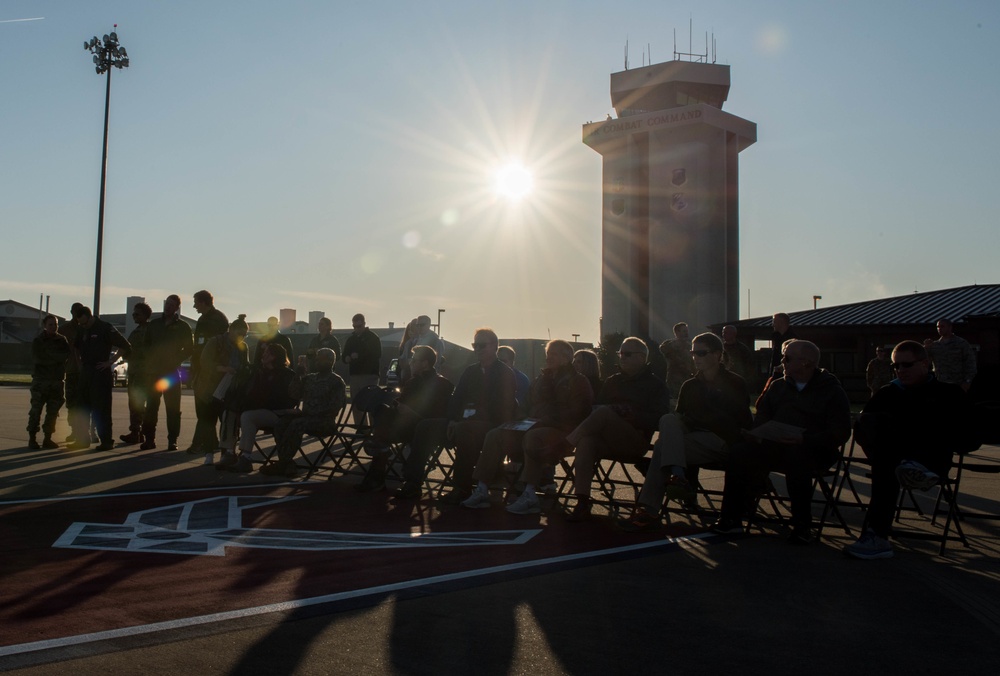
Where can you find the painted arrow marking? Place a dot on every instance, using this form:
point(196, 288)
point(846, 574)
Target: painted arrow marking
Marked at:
point(207, 527)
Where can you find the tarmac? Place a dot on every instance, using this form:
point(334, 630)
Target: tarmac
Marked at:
point(744, 604)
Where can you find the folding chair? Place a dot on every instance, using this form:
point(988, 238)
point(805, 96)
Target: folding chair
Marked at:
point(349, 436)
point(610, 477)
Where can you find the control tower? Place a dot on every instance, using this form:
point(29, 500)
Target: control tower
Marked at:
point(670, 230)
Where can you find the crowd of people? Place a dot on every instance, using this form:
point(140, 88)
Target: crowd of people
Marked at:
point(700, 413)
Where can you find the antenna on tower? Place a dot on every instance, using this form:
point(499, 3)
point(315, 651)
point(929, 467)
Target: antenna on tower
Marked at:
point(626, 53)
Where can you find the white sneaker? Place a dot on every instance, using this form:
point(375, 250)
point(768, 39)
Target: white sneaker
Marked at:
point(870, 546)
point(913, 475)
point(526, 504)
point(478, 500)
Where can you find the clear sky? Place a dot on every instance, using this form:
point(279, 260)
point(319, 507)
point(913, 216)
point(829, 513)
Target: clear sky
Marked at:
point(341, 156)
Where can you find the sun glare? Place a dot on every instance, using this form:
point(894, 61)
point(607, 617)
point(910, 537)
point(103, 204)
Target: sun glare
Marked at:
point(514, 181)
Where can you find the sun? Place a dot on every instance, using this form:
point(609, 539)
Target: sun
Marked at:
point(514, 181)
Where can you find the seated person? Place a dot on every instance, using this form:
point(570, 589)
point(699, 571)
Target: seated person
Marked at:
point(269, 395)
point(425, 395)
point(908, 430)
point(630, 405)
point(324, 393)
point(812, 402)
point(712, 410)
point(559, 399)
point(483, 399)
point(587, 363)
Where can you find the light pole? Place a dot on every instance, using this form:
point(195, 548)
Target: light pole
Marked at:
point(816, 298)
point(576, 337)
point(439, 322)
point(107, 53)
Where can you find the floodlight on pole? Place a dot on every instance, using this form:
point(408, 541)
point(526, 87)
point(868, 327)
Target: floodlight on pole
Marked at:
point(107, 53)
point(439, 322)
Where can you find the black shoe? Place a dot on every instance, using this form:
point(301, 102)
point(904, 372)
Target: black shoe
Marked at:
point(148, 445)
point(640, 521)
point(581, 511)
point(131, 438)
point(194, 449)
point(727, 527)
point(373, 481)
point(411, 490)
point(48, 443)
point(33, 443)
point(227, 461)
point(284, 468)
point(172, 446)
point(456, 497)
point(105, 446)
point(801, 536)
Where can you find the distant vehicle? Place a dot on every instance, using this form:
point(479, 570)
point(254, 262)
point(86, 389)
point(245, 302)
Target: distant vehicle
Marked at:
point(392, 374)
point(120, 374)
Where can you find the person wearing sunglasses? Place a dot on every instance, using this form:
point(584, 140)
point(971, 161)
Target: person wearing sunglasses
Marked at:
point(803, 418)
point(483, 399)
point(908, 430)
point(713, 408)
point(620, 427)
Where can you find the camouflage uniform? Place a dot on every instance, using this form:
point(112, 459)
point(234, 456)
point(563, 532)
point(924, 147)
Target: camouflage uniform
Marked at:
point(167, 345)
point(49, 354)
point(323, 395)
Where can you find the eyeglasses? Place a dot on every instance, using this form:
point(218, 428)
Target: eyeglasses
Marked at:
point(903, 365)
point(627, 353)
point(701, 353)
point(480, 346)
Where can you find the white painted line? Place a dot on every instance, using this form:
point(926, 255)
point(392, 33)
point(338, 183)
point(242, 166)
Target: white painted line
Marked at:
point(91, 496)
point(329, 598)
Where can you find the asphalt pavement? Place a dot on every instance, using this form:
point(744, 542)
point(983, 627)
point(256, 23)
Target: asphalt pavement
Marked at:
point(572, 599)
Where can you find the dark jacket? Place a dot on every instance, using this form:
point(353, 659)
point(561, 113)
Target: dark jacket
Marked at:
point(428, 394)
point(319, 342)
point(49, 355)
point(369, 349)
point(167, 345)
point(560, 398)
point(489, 393)
point(138, 360)
point(933, 415)
point(95, 343)
point(641, 399)
point(721, 406)
point(822, 408)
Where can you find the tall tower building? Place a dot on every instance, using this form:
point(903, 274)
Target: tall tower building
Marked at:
point(670, 232)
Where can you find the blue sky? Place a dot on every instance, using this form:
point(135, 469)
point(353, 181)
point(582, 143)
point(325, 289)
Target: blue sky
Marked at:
point(335, 157)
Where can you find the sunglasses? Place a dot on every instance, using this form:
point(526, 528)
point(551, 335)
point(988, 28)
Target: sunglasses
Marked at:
point(480, 346)
point(701, 353)
point(903, 365)
point(627, 354)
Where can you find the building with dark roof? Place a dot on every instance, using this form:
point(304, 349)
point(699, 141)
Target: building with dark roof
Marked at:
point(848, 334)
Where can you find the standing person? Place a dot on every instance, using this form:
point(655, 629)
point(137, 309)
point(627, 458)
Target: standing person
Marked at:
point(325, 338)
point(363, 354)
point(49, 352)
point(677, 353)
point(405, 350)
point(879, 371)
point(273, 335)
point(782, 333)
point(211, 323)
point(953, 358)
point(737, 357)
point(422, 335)
point(168, 343)
point(99, 345)
point(139, 382)
point(224, 355)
